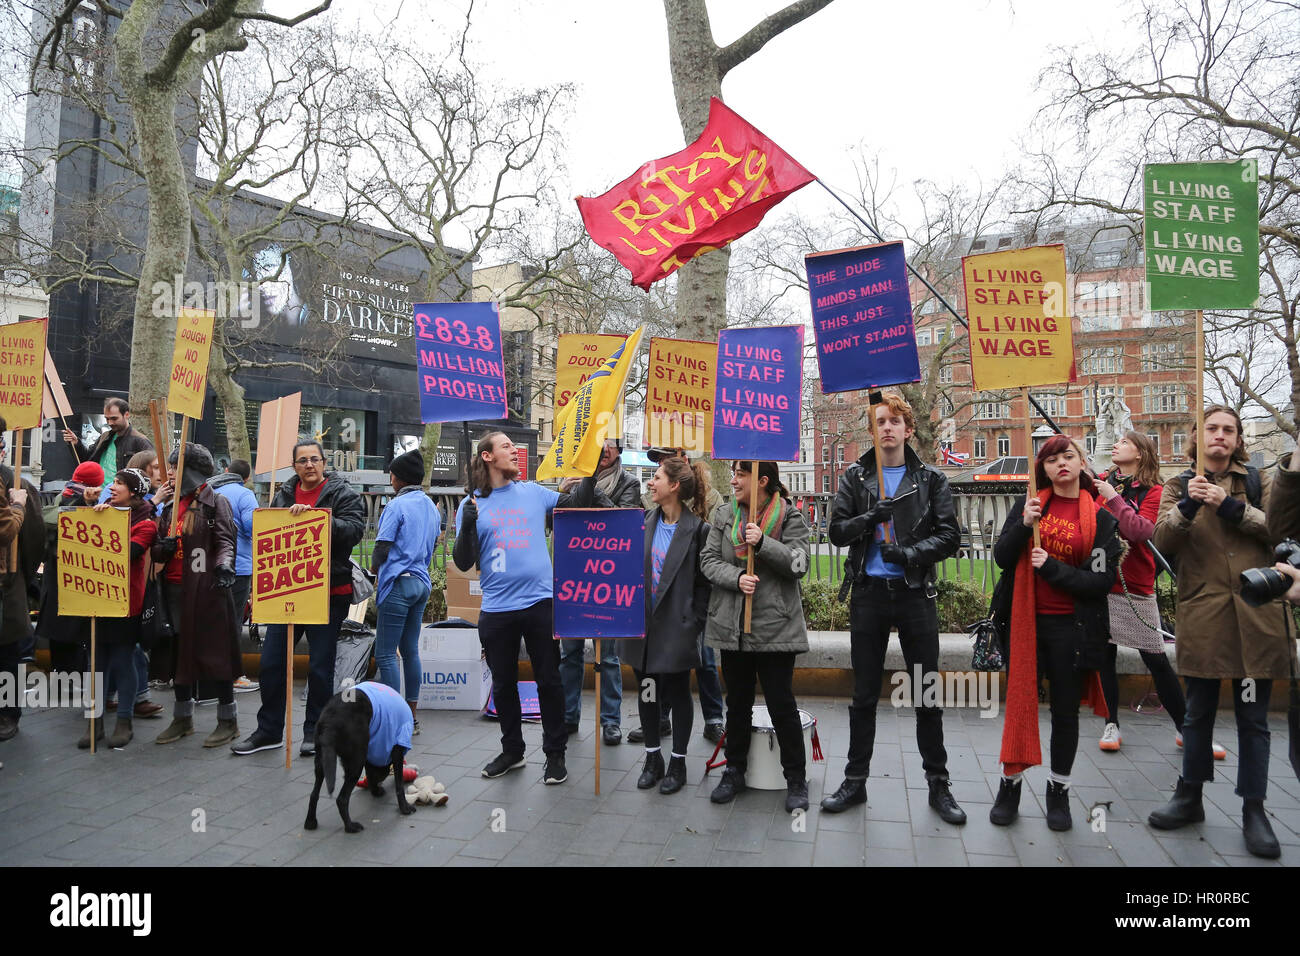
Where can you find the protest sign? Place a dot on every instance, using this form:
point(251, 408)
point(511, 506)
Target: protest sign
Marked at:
point(94, 563)
point(277, 433)
point(1201, 229)
point(461, 372)
point(291, 566)
point(862, 317)
point(756, 403)
point(189, 376)
point(599, 572)
point(679, 395)
point(54, 402)
point(1019, 326)
point(578, 356)
point(22, 370)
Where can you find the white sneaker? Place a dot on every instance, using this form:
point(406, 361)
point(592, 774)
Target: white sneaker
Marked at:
point(1219, 751)
point(1110, 738)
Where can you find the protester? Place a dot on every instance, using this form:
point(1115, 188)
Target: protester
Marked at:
point(114, 447)
point(677, 607)
point(623, 491)
point(1051, 604)
point(1284, 509)
point(15, 587)
point(117, 638)
point(310, 487)
point(893, 584)
point(1132, 494)
point(408, 532)
point(1213, 524)
point(13, 512)
point(766, 652)
point(197, 582)
point(499, 527)
point(68, 636)
point(231, 484)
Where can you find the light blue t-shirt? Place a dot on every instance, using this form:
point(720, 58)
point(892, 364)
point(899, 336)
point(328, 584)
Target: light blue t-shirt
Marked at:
point(391, 723)
point(242, 505)
point(412, 523)
point(514, 564)
point(875, 567)
point(658, 551)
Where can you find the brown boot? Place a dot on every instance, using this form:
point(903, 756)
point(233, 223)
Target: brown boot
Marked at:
point(227, 730)
point(84, 742)
point(178, 728)
point(121, 735)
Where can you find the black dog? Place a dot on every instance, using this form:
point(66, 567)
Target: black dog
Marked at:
point(343, 733)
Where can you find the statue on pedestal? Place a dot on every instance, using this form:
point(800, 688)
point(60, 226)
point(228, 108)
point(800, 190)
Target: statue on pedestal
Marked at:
point(1114, 418)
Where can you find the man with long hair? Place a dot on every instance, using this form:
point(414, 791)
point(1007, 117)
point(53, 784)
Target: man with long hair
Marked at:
point(501, 527)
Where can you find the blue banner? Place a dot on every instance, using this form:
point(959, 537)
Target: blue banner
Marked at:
point(461, 373)
point(599, 572)
point(756, 402)
point(862, 317)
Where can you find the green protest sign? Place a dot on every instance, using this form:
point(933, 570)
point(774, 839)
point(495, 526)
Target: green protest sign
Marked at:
point(1202, 235)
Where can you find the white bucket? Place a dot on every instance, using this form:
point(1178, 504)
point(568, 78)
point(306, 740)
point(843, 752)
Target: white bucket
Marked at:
point(763, 766)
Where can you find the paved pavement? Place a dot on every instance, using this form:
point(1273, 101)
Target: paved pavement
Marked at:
point(183, 805)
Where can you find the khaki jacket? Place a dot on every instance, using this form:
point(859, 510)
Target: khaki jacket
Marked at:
point(1284, 510)
point(1219, 634)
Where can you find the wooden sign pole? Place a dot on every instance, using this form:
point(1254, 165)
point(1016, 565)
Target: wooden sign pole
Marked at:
point(180, 471)
point(93, 687)
point(1201, 467)
point(1029, 458)
point(749, 563)
point(596, 643)
point(288, 701)
point(156, 415)
point(279, 407)
point(18, 483)
point(54, 401)
point(875, 399)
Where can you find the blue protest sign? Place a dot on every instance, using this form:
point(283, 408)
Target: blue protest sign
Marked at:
point(862, 317)
point(461, 374)
point(756, 401)
point(599, 572)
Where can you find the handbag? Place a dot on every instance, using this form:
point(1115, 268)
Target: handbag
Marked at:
point(362, 585)
point(987, 655)
point(156, 628)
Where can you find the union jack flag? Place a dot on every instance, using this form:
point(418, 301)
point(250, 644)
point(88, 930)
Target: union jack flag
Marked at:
point(950, 457)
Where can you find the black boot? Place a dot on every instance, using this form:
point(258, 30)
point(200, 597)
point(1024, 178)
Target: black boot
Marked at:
point(941, 799)
point(1260, 840)
point(1007, 805)
point(675, 777)
point(653, 772)
point(732, 783)
point(1058, 806)
point(851, 792)
point(1184, 808)
point(796, 795)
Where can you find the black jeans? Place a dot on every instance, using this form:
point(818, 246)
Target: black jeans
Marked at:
point(500, 631)
point(1252, 733)
point(1169, 690)
point(873, 611)
point(9, 655)
point(775, 670)
point(1056, 644)
point(670, 693)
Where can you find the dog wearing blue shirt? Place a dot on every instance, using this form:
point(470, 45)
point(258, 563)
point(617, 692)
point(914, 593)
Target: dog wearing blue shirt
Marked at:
point(367, 726)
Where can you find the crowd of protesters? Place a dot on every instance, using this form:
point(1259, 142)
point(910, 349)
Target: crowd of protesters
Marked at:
point(1078, 581)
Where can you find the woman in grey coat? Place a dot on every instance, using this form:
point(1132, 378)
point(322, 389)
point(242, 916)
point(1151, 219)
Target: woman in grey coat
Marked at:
point(677, 605)
point(777, 633)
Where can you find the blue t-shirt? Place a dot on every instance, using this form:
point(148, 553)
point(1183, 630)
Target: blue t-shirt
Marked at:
point(514, 564)
point(391, 722)
point(412, 523)
point(658, 551)
point(242, 504)
point(875, 567)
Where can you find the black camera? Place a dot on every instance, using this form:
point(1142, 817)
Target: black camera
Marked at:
point(1261, 585)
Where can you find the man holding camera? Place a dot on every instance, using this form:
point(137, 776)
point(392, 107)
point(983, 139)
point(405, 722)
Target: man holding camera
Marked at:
point(1212, 522)
point(897, 525)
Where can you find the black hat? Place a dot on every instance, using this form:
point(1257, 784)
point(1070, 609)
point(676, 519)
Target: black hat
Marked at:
point(408, 468)
point(659, 454)
point(199, 466)
point(134, 480)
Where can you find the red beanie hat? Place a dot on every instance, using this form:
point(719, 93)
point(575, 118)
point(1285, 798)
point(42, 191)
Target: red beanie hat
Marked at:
point(89, 473)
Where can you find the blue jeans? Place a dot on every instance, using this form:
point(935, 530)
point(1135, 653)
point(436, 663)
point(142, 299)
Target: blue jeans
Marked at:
point(141, 664)
point(322, 643)
point(1252, 734)
point(397, 627)
point(611, 681)
point(710, 687)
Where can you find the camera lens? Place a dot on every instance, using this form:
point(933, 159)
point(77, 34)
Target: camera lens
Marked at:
point(1261, 585)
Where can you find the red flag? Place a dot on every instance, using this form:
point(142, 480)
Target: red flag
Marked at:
point(692, 202)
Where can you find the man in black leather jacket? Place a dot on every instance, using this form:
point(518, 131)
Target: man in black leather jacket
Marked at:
point(894, 543)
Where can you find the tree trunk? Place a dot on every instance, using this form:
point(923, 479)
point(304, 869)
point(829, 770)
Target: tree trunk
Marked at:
point(429, 449)
point(231, 396)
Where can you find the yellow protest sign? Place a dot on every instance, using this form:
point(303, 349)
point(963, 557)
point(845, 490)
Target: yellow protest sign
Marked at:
point(578, 357)
point(291, 566)
point(22, 372)
point(189, 377)
point(679, 395)
point(1019, 323)
point(94, 563)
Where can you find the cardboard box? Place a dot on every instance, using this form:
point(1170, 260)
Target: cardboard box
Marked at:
point(468, 613)
point(464, 592)
point(453, 673)
point(455, 572)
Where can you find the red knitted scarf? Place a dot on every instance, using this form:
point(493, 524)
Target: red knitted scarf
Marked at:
point(1020, 744)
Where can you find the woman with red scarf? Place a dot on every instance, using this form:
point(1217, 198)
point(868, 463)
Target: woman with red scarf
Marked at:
point(1050, 604)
